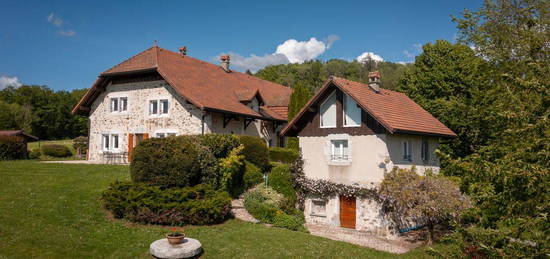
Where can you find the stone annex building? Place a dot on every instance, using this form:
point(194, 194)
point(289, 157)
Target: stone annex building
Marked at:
point(351, 133)
point(159, 93)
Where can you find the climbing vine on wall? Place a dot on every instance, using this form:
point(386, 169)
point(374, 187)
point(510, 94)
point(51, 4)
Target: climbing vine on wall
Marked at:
point(324, 188)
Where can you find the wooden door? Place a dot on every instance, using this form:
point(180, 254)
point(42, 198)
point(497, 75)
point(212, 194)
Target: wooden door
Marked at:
point(347, 212)
point(134, 140)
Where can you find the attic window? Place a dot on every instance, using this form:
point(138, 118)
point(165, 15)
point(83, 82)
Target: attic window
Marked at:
point(352, 112)
point(328, 111)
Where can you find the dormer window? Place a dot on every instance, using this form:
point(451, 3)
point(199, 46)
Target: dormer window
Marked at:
point(352, 112)
point(328, 111)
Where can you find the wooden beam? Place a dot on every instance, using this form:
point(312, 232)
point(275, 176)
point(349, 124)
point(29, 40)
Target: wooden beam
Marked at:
point(247, 122)
point(226, 120)
point(83, 108)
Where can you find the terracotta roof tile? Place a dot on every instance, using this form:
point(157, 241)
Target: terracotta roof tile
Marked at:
point(204, 84)
point(394, 110)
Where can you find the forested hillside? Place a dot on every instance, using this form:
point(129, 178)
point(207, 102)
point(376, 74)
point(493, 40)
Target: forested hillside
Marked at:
point(42, 112)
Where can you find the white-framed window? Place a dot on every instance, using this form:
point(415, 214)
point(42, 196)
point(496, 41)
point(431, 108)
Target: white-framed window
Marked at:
point(158, 107)
point(406, 146)
point(119, 104)
point(328, 111)
point(110, 142)
point(165, 133)
point(352, 112)
point(319, 208)
point(425, 150)
point(339, 150)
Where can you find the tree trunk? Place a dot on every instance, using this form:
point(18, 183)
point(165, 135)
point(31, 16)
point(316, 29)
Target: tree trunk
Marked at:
point(430, 232)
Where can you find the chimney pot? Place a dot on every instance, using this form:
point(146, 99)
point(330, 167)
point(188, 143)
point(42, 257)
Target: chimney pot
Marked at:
point(225, 63)
point(183, 51)
point(374, 81)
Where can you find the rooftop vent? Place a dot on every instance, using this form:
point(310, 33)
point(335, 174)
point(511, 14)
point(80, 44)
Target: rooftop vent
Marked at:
point(374, 81)
point(225, 63)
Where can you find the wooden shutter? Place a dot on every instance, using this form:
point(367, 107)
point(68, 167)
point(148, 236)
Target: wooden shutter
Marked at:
point(130, 146)
point(145, 136)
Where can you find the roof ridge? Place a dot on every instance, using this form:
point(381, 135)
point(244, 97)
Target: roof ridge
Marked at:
point(128, 60)
point(356, 82)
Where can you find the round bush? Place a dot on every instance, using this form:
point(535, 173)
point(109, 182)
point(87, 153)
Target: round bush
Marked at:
point(263, 203)
point(168, 162)
point(283, 220)
point(198, 205)
point(255, 151)
point(81, 143)
point(219, 144)
point(12, 147)
point(282, 155)
point(55, 150)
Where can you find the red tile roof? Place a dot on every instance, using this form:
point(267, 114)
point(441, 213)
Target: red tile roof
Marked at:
point(204, 84)
point(394, 110)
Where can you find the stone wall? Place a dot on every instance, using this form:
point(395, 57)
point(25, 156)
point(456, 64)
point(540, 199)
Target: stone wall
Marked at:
point(369, 216)
point(183, 117)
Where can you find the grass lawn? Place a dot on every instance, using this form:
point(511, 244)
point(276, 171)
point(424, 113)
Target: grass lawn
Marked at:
point(53, 211)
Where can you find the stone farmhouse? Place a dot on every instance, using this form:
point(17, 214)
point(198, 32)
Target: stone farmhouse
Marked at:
point(352, 133)
point(160, 93)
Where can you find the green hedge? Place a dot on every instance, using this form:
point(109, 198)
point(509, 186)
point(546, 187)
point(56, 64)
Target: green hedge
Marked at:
point(12, 147)
point(169, 162)
point(282, 155)
point(55, 150)
point(255, 151)
point(280, 180)
point(252, 175)
point(198, 205)
point(35, 154)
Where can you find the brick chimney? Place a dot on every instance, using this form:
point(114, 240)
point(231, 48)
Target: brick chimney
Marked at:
point(225, 63)
point(374, 81)
point(183, 51)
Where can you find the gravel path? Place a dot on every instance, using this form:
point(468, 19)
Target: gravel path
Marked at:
point(362, 238)
point(238, 210)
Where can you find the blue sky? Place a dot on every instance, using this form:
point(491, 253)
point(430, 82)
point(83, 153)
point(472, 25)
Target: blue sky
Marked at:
point(66, 44)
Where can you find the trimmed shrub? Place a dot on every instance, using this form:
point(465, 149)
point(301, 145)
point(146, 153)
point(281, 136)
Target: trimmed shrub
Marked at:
point(219, 144)
point(55, 150)
point(292, 222)
point(169, 162)
point(252, 175)
point(281, 181)
point(198, 205)
point(189, 160)
point(12, 147)
point(255, 151)
point(35, 154)
point(282, 155)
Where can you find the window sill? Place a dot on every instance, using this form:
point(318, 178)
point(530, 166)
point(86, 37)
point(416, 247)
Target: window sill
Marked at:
point(159, 115)
point(327, 127)
point(318, 215)
point(339, 162)
point(351, 126)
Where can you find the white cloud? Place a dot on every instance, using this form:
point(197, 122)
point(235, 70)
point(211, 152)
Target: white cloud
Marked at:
point(408, 54)
point(405, 62)
point(366, 55)
point(56, 21)
point(290, 51)
point(300, 51)
point(6, 81)
point(255, 63)
point(67, 33)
